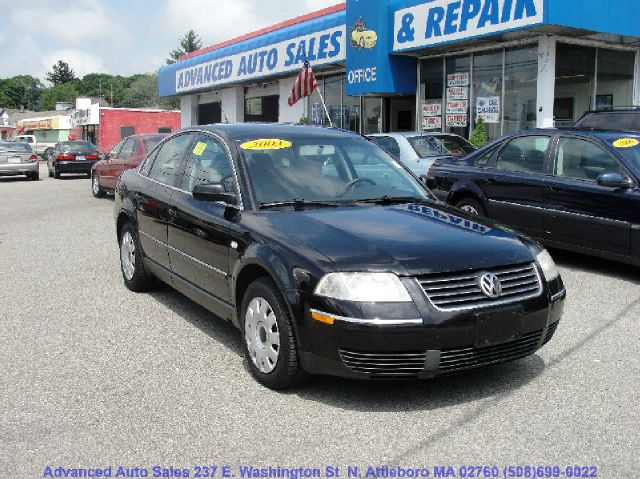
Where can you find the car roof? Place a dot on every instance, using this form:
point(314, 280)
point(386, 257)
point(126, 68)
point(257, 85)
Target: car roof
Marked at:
point(245, 131)
point(587, 132)
point(407, 134)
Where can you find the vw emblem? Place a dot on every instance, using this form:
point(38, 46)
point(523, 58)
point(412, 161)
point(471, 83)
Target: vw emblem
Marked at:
point(490, 285)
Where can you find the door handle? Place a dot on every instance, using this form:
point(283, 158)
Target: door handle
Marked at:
point(555, 189)
point(172, 212)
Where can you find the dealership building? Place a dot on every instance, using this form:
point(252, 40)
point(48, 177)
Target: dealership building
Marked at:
point(439, 65)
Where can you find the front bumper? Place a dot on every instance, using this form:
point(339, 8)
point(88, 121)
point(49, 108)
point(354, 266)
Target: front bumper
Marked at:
point(418, 341)
point(75, 166)
point(13, 169)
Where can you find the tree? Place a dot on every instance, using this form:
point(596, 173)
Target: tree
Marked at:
point(189, 43)
point(479, 137)
point(63, 92)
point(142, 92)
point(61, 74)
point(22, 90)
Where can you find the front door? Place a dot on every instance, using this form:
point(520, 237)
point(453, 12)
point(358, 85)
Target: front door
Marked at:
point(581, 212)
point(199, 235)
point(515, 187)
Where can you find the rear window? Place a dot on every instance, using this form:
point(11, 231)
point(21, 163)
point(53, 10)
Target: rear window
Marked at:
point(611, 121)
point(14, 146)
point(426, 146)
point(83, 146)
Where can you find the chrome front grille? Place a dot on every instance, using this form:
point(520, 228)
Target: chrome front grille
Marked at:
point(450, 292)
point(385, 365)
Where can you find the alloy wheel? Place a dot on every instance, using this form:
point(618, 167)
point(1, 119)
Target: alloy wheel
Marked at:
point(128, 256)
point(262, 335)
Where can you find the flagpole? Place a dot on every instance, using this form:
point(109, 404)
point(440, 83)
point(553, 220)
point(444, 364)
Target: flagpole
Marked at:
point(325, 107)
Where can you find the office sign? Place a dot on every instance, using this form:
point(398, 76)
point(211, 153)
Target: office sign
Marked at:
point(441, 21)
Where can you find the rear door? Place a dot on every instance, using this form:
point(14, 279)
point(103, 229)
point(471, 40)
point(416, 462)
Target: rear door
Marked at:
point(581, 212)
point(515, 185)
point(199, 236)
point(153, 199)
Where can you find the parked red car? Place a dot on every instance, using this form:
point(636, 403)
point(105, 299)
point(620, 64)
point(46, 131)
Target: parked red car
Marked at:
point(126, 155)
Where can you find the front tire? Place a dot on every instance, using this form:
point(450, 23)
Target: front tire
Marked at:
point(472, 206)
point(96, 189)
point(136, 278)
point(268, 337)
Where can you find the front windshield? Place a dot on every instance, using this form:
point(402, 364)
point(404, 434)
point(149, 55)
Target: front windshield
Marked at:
point(629, 148)
point(426, 146)
point(336, 170)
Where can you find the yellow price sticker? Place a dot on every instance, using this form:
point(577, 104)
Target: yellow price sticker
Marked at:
point(198, 150)
point(266, 144)
point(626, 143)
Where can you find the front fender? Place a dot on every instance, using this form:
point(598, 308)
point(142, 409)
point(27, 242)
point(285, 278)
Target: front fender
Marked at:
point(464, 188)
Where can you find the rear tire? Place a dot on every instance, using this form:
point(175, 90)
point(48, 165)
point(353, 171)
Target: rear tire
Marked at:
point(136, 277)
point(472, 206)
point(268, 338)
point(56, 173)
point(34, 176)
point(96, 189)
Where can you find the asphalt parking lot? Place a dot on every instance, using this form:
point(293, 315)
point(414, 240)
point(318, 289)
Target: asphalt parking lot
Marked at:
point(94, 375)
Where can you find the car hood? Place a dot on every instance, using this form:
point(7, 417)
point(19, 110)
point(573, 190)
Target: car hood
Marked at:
point(406, 239)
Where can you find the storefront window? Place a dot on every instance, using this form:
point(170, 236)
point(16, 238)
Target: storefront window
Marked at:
point(615, 78)
point(575, 81)
point(372, 115)
point(350, 111)
point(457, 95)
point(486, 100)
point(520, 88)
point(333, 99)
point(432, 94)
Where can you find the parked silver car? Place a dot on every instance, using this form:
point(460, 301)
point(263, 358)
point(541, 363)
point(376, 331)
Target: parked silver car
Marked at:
point(18, 159)
point(418, 150)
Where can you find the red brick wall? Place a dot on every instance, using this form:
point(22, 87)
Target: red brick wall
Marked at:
point(142, 121)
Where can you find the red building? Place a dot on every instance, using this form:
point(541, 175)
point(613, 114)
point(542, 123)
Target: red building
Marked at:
point(106, 126)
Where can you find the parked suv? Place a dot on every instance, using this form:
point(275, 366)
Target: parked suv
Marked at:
point(126, 155)
point(330, 257)
point(619, 119)
point(572, 189)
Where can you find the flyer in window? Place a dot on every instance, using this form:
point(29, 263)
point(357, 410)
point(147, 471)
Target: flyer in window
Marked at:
point(458, 79)
point(457, 121)
point(432, 123)
point(458, 93)
point(432, 108)
point(488, 108)
point(457, 107)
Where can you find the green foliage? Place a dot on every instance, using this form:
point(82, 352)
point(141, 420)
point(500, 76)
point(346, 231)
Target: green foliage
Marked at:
point(61, 73)
point(62, 92)
point(189, 43)
point(303, 120)
point(479, 137)
point(22, 90)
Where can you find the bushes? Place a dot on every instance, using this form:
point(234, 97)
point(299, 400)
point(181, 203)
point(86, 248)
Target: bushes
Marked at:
point(479, 137)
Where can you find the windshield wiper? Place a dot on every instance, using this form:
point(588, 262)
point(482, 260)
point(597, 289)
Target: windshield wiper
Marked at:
point(390, 200)
point(300, 204)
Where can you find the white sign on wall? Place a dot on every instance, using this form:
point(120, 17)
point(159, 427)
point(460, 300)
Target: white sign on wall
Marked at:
point(457, 121)
point(432, 123)
point(457, 106)
point(488, 108)
point(440, 21)
point(457, 93)
point(458, 79)
point(320, 48)
point(432, 109)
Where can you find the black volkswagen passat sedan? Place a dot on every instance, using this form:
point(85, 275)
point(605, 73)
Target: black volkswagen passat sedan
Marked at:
point(329, 256)
point(571, 189)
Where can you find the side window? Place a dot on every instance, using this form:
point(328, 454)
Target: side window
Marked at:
point(128, 148)
point(167, 161)
point(485, 158)
point(207, 162)
point(524, 155)
point(582, 160)
point(388, 144)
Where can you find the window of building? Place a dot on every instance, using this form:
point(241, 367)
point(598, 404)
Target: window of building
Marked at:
point(520, 88)
point(262, 109)
point(456, 109)
point(432, 92)
point(164, 129)
point(372, 115)
point(486, 94)
point(126, 131)
point(344, 111)
point(589, 78)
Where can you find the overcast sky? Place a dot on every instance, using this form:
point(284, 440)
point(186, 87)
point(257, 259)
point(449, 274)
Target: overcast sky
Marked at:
point(124, 36)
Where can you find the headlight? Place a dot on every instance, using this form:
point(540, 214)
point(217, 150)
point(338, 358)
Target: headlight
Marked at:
point(363, 287)
point(549, 268)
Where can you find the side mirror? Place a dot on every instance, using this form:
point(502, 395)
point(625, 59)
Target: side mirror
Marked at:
point(613, 179)
point(214, 192)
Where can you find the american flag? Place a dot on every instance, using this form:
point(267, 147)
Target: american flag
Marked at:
point(304, 85)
